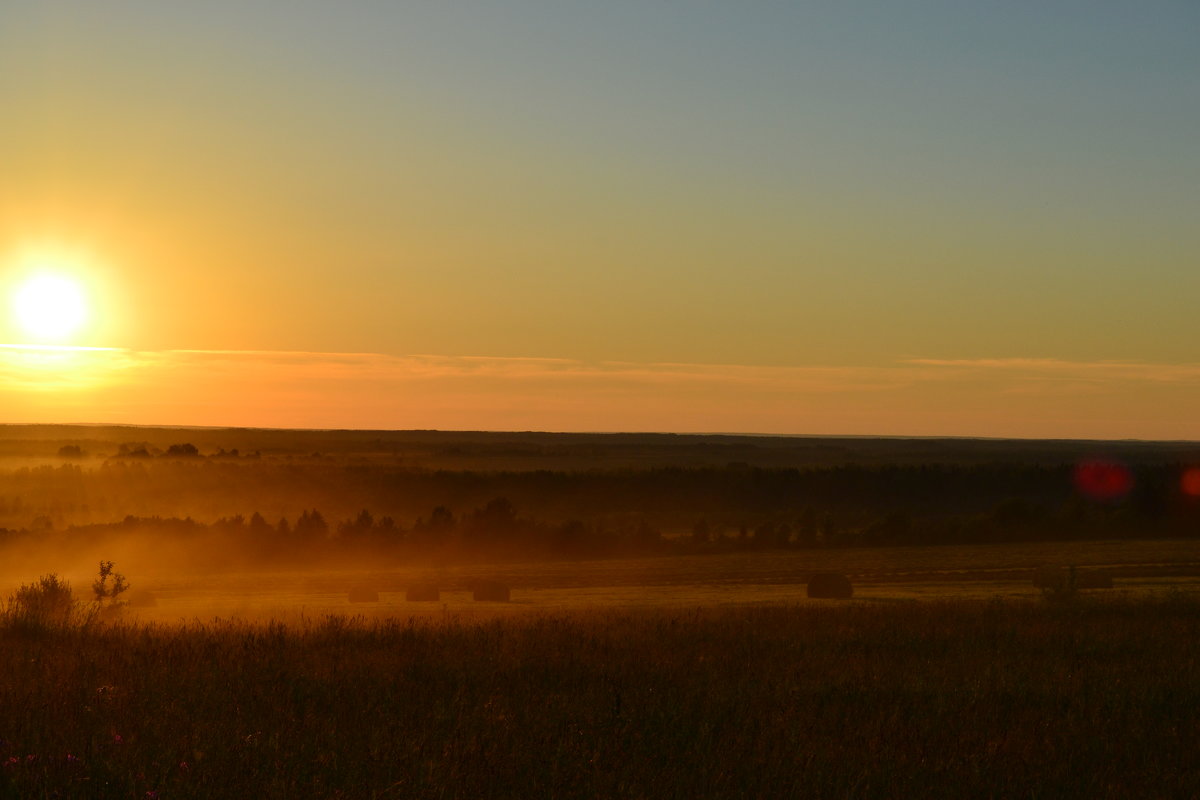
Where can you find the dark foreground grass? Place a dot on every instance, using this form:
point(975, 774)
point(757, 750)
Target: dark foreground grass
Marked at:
point(920, 700)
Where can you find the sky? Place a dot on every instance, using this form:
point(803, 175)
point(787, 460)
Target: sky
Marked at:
point(874, 218)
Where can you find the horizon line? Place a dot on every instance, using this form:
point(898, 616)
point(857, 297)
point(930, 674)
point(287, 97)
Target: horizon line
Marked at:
point(498, 431)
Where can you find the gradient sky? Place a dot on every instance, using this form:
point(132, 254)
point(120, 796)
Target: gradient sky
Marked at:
point(833, 217)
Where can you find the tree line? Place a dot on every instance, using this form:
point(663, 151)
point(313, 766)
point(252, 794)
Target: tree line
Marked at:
point(1153, 507)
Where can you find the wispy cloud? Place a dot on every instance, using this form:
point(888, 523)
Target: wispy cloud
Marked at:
point(1063, 370)
point(289, 365)
point(1018, 396)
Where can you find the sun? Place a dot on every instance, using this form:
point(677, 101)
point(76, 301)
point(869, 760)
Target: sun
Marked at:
point(50, 306)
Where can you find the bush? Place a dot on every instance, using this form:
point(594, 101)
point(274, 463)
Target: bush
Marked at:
point(108, 594)
point(70, 451)
point(46, 605)
point(50, 604)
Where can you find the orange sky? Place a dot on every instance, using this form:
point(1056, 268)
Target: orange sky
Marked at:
point(1019, 398)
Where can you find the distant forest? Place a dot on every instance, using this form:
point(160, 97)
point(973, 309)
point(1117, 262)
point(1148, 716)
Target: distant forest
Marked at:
point(265, 496)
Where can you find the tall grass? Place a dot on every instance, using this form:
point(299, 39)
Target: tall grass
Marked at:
point(931, 700)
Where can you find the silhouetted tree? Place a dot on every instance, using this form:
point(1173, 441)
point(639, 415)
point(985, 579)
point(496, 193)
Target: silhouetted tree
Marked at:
point(231, 524)
point(571, 537)
point(311, 525)
point(441, 518)
point(357, 528)
point(495, 521)
point(895, 527)
point(133, 450)
point(646, 535)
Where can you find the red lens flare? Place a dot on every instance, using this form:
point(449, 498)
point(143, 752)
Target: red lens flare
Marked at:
point(1190, 482)
point(1103, 480)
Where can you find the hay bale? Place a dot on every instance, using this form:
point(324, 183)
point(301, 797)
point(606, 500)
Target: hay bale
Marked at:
point(830, 585)
point(492, 591)
point(423, 593)
point(363, 594)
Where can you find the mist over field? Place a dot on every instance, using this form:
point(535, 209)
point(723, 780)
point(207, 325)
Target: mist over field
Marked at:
point(482, 401)
point(269, 522)
point(361, 614)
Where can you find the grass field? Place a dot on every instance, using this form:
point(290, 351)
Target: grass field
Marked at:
point(947, 675)
point(938, 699)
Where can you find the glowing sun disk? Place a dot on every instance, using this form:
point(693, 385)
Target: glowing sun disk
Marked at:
point(50, 306)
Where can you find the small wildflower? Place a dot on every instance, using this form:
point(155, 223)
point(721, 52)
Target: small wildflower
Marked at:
point(72, 759)
point(117, 738)
point(183, 766)
point(30, 758)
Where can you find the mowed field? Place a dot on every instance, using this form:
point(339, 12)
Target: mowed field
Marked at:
point(1004, 571)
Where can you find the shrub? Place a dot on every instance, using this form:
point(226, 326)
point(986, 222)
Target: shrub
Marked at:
point(108, 594)
point(49, 604)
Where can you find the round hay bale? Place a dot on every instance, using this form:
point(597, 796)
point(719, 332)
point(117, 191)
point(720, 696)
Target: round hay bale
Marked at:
point(830, 585)
point(423, 593)
point(363, 594)
point(492, 591)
